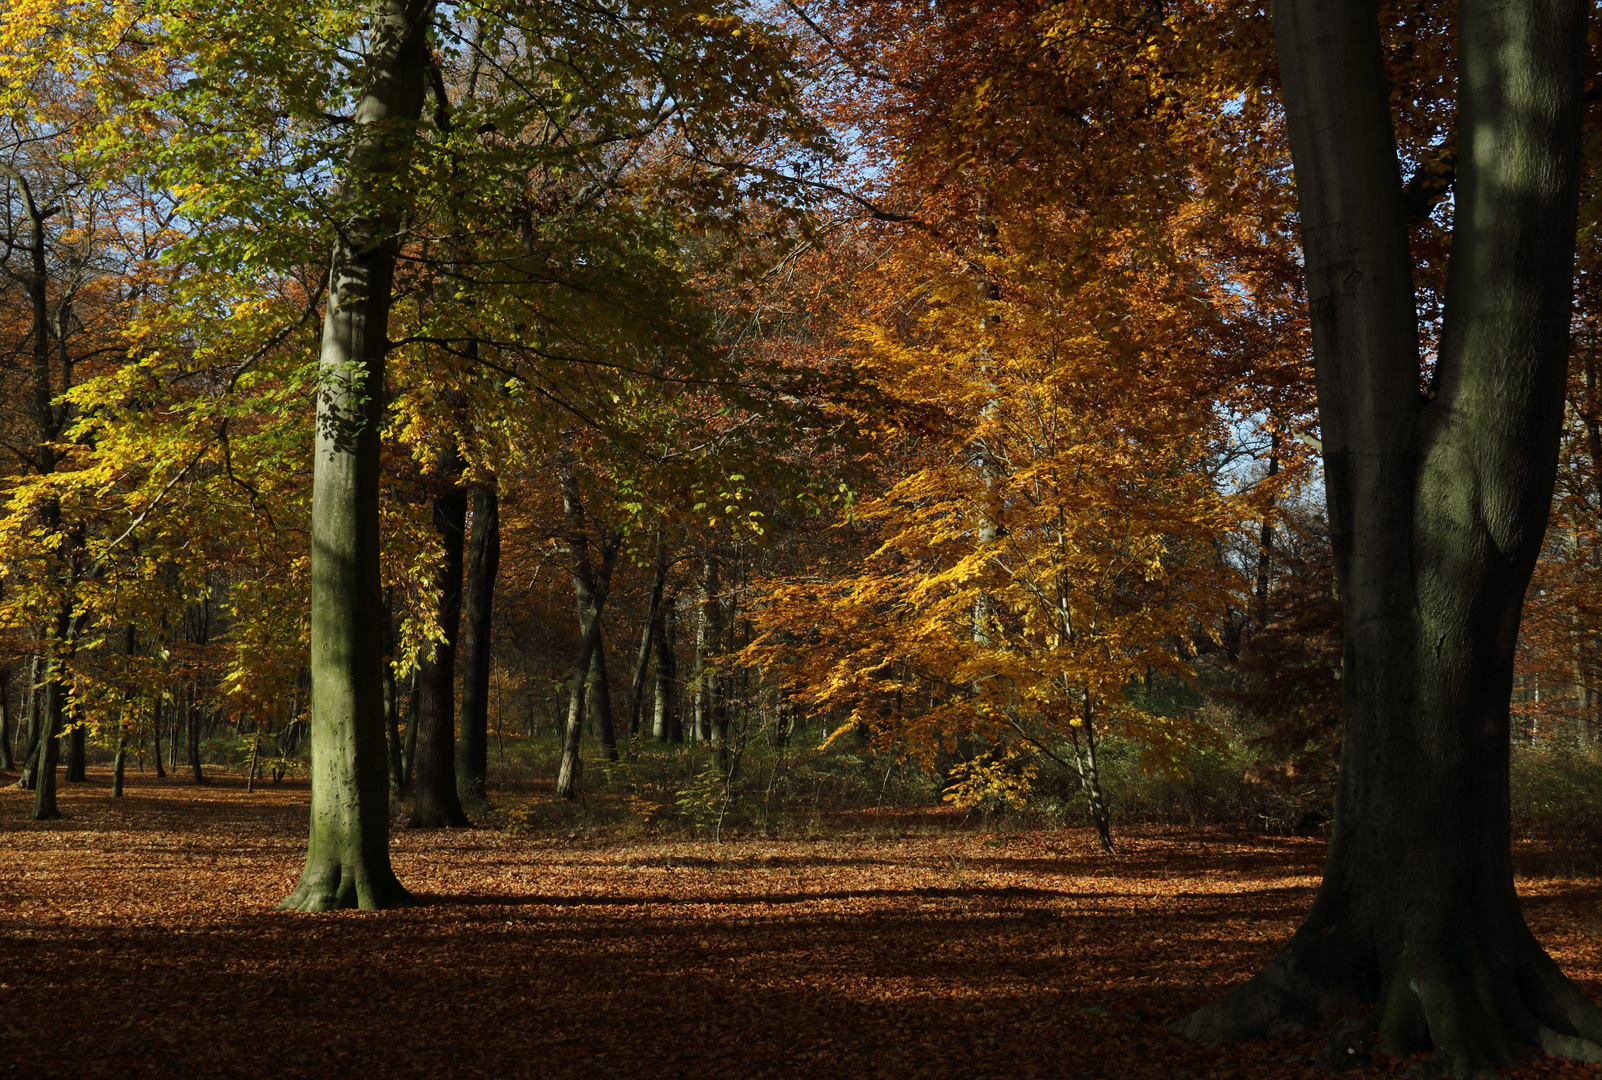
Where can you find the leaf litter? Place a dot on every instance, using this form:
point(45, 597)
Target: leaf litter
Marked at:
point(138, 939)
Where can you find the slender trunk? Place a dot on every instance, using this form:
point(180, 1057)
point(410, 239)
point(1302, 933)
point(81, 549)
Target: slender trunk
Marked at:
point(397, 761)
point(347, 851)
point(119, 762)
point(1265, 541)
point(8, 762)
point(590, 587)
point(155, 729)
point(435, 802)
point(1090, 776)
point(707, 635)
point(255, 755)
point(34, 710)
point(571, 766)
point(665, 725)
point(1438, 507)
point(653, 627)
point(598, 699)
point(195, 714)
point(483, 563)
point(413, 703)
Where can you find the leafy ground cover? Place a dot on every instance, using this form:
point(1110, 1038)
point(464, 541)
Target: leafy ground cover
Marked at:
point(138, 940)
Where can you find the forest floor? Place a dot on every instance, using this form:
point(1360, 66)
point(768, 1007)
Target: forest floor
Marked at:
point(137, 938)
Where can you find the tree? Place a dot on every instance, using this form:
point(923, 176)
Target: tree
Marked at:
point(347, 856)
point(1438, 503)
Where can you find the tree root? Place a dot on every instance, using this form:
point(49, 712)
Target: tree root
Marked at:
point(1477, 1016)
point(337, 887)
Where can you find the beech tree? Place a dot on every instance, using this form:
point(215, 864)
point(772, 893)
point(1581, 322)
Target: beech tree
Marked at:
point(1438, 503)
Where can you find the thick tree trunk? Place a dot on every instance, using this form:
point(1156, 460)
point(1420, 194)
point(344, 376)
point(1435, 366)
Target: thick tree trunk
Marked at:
point(44, 790)
point(483, 563)
point(435, 802)
point(598, 699)
point(77, 755)
point(347, 853)
point(1438, 505)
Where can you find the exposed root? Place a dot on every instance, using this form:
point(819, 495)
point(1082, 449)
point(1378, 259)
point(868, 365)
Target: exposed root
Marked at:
point(1477, 1017)
point(344, 888)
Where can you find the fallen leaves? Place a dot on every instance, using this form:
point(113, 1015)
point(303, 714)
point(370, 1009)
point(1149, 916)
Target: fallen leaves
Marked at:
point(138, 940)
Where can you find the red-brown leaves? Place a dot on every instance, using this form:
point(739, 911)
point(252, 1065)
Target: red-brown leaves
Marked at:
point(139, 941)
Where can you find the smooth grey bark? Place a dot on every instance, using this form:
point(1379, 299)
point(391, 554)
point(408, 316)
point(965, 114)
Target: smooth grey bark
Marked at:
point(44, 789)
point(347, 854)
point(435, 801)
point(590, 588)
point(653, 627)
point(1438, 506)
point(666, 725)
point(483, 564)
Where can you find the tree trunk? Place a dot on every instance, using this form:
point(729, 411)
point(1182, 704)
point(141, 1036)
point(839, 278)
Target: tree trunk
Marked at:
point(1438, 505)
point(598, 699)
point(590, 588)
point(397, 761)
point(44, 791)
point(413, 702)
point(1090, 776)
point(571, 766)
point(435, 802)
point(34, 709)
point(483, 562)
point(347, 852)
point(194, 714)
point(155, 729)
point(119, 763)
point(9, 762)
point(707, 635)
point(653, 628)
point(664, 720)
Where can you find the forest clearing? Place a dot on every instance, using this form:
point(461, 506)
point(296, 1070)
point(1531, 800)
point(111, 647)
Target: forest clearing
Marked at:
point(140, 941)
point(801, 537)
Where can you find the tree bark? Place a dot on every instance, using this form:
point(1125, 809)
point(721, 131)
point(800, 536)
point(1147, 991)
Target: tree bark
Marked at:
point(483, 563)
point(666, 726)
point(347, 854)
point(9, 761)
point(35, 706)
point(409, 759)
point(598, 699)
point(653, 627)
point(155, 734)
point(193, 744)
point(397, 761)
point(1438, 505)
point(435, 801)
point(708, 634)
point(590, 588)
